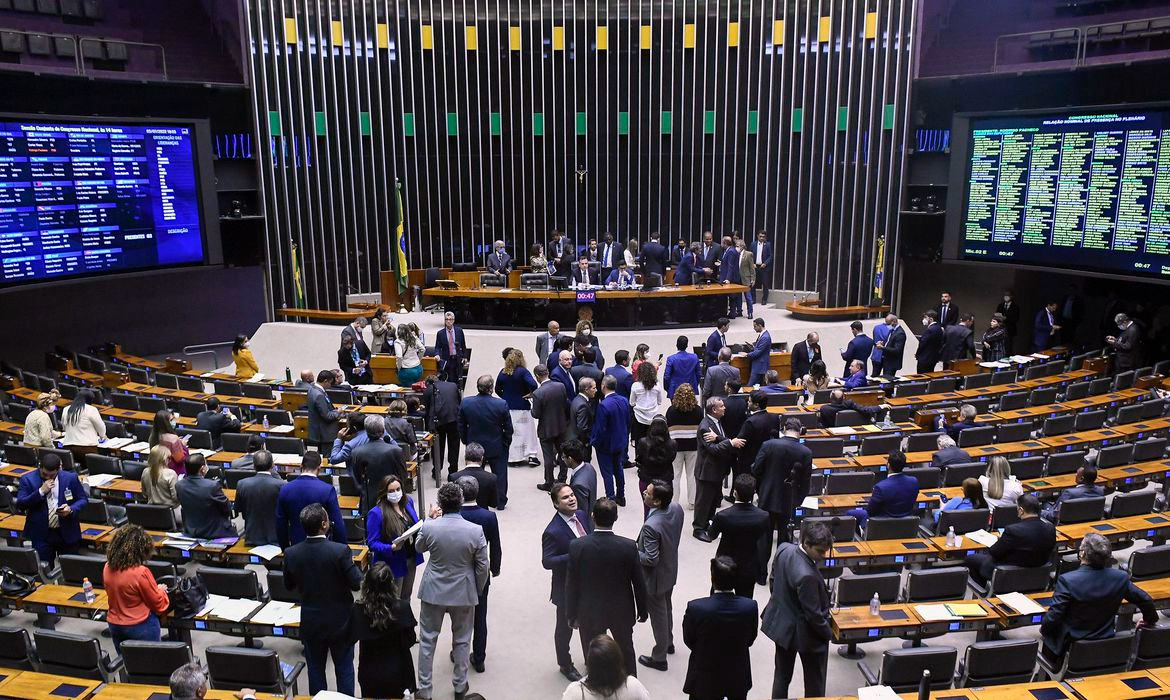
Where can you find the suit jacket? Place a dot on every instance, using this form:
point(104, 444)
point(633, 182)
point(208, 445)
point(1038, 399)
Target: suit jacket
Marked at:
point(501, 263)
point(616, 278)
point(957, 428)
point(653, 259)
point(372, 462)
point(359, 340)
point(1084, 606)
point(685, 272)
point(562, 375)
point(1011, 315)
point(951, 317)
point(658, 548)
point(716, 382)
point(714, 344)
point(491, 531)
point(207, 513)
point(710, 257)
point(457, 569)
point(765, 257)
point(611, 425)
point(324, 573)
point(782, 469)
point(859, 348)
point(295, 495)
point(216, 423)
point(760, 354)
point(36, 509)
point(488, 490)
point(681, 368)
point(1027, 543)
point(566, 251)
point(485, 419)
point(323, 416)
point(757, 429)
point(719, 630)
point(958, 343)
point(256, 499)
point(827, 413)
point(346, 363)
point(1042, 330)
point(857, 380)
point(586, 277)
point(930, 347)
point(893, 497)
point(747, 268)
point(713, 460)
point(745, 535)
point(551, 410)
point(893, 352)
point(735, 414)
point(583, 481)
point(605, 587)
point(442, 402)
point(800, 359)
point(616, 254)
point(586, 370)
point(729, 266)
point(1128, 348)
point(582, 413)
point(1078, 491)
point(542, 349)
point(443, 347)
point(951, 455)
point(554, 551)
point(797, 614)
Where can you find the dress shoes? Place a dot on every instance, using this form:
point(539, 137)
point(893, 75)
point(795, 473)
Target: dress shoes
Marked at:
point(533, 462)
point(651, 663)
point(702, 535)
point(571, 673)
point(478, 666)
point(670, 649)
point(544, 487)
point(621, 501)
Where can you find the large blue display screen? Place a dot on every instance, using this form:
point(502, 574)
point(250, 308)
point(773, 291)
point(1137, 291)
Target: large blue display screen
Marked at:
point(82, 199)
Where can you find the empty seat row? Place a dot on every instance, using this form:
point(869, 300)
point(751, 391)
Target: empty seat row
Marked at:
point(72, 9)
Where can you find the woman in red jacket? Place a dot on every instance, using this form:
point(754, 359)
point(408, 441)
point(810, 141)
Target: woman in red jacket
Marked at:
point(136, 601)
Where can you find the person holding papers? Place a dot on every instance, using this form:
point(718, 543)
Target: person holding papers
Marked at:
point(135, 600)
point(621, 277)
point(393, 515)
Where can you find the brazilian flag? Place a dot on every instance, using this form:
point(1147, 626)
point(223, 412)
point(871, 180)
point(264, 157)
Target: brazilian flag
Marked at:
point(298, 279)
point(400, 238)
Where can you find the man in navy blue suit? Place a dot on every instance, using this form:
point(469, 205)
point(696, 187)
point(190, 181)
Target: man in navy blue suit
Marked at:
point(300, 492)
point(491, 531)
point(760, 354)
point(1044, 330)
point(719, 631)
point(681, 367)
point(485, 419)
point(621, 277)
point(620, 371)
point(611, 439)
point(763, 255)
point(729, 274)
point(895, 496)
point(567, 524)
point(930, 345)
point(450, 346)
point(688, 261)
point(654, 256)
point(717, 340)
point(860, 348)
point(51, 499)
point(561, 372)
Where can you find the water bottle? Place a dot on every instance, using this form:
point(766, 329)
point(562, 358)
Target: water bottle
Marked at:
point(951, 536)
point(87, 590)
point(924, 685)
point(287, 374)
point(875, 605)
point(265, 424)
point(407, 695)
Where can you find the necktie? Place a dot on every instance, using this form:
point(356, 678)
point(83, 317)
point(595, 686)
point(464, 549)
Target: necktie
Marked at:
point(51, 502)
point(605, 256)
point(577, 526)
point(722, 340)
point(944, 312)
point(451, 340)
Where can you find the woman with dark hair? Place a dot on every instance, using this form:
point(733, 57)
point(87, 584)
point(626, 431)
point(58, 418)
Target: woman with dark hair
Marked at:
point(393, 515)
point(645, 396)
point(410, 352)
point(400, 429)
point(514, 384)
point(682, 420)
point(641, 353)
point(655, 456)
point(536, 259)
point(606, 677)
point(995, 339)
point(135, 599)
point(382, 329)
point(972, 498)
point(382, 625)
point(816, 380)
point(163, 433)
point(246, 366)
point(82, 421)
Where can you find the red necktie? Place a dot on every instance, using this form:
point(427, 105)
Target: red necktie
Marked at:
point(451, 340)
point(577, 526)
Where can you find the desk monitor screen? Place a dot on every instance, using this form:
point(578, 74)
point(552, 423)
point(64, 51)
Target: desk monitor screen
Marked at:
point(98, 197)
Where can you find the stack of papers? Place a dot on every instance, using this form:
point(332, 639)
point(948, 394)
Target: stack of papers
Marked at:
point(277, 613)
point(1022, 359)
point(255, 378)
point(286, 460)
point(202, 451)
point(995, 365)
point(872, 692)
point(234, 609)
point(99, 480)
point(1021, 603)
point(117, 443)
point(983, 537)
point(266, 551)
point(375, 388)
point(137, 447)
point(810, 503)
point(935, 613)
point(281, 429)
point(966, 609)
point(410, 532)
point(184, 543)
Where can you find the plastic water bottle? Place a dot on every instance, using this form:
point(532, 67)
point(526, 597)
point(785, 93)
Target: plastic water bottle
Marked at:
point(407, 695)
point(87, 590)
point(875, 605)
point(924, 685)
point(265, 422)
point(951, 536)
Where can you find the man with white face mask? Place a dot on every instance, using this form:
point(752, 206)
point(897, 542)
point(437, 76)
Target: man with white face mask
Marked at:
point(499, 261)
point(930, 344)
point(892, 347)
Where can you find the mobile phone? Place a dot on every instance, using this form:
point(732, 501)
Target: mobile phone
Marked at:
point(660, 356)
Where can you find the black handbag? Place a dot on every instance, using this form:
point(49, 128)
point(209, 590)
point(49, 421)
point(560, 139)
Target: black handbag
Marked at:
point(14, 584)
point(187, 595)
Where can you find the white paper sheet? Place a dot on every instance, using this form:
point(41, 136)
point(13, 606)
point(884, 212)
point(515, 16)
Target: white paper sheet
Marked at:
point(331, 695)
point(277, 612)
point(934, 613)
point(994, 365)
point(137, 447)
point(1021, 603)
point(1022, 359)
point(266, 551)
point(281, 429)
point(877, 692)
point(983, 537)
point(100, 480)
point(117, 443)
point(235, 609)
point(202, 451)
point(286, 460)
point(255, 378)
point(212, 601)
point(410, 532)
point(810, 503)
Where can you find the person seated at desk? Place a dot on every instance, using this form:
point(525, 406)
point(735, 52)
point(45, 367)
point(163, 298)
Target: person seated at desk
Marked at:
point(499, 261)
point(895, 496)
point(583, 276)
point(353, 361)
point(189, 682)
point(837, 403)
point(1086, 488)
point(159, 481)
point(816, 380)
point(217, 421)
point(856, 378)
point(772, 383)
point(972, 499)
point(207, 513)
point(244, 461)
point(1028, 542)
point(349, 438)
point(621, 277)
point(948, 453)
point(1085, 602)
point(1000, 488)
point(966, 420)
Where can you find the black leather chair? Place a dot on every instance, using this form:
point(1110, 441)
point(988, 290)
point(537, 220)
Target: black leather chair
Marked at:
point(235, 442)
point(1090, 420)
point(860, 481)
point(152, 404)
point(859, 589)
point(103, 464)
point(1013, 401)
point(1011, 432)
point(788, 398)
point(199, 440)
point(275, 416)
point(977, 381)
point(928, 477)
point(77, 567)
point(1078, 390)
point(152, 517)
point(75, 655)
point(125, 401)
point(284, 445)
point(1006, 376)
point(133, 470)
point(910, 389)
point(922, 442)
point(252, 390)
point(1149, 449)
point(1129, 414)
point(347, 486)
point(843, 527)
point(1091, 657)
point(226, 388)
point(1042, 396)
point(166, 381)
point(944, 384)
point(1015, 579)
point(1064, 463)
point(902, 668)
point(1002, 516)
point(188, 409)
point(24, 560)
point(191, 384)
point(891, 528)
point(826, 447)
point(963, 521)
point(277, 589)
point(233, 477)
point(879, 444)
point(16, 649)
point(1151, 649)
point(233, 668)
point(152, 663)
point(234, 583)
point(955, 474)
point(1115, 456)
point(1024, 468)
point(1149, 563)
point(849, 418)
point(997, 663)
point(1137, 503)
point(1124, 380)
point(974, 437)
point(1058, 425)
point(1080, 510)
point(927, 585)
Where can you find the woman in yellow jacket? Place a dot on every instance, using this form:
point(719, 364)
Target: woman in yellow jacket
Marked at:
point(246, 366)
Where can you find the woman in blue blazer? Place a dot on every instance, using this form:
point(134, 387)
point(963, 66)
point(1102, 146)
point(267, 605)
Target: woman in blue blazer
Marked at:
point(514, 384)
point(393, 515)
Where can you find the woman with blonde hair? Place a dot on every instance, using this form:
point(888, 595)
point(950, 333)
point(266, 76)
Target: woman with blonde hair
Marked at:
point(514, 384)
point(1000, 488)
point(159, 480)
point(38, 426)
point(631, 254)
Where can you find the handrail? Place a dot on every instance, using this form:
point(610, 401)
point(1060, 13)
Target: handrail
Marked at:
point(191, 351)
point(82, 39)
point(71, 37)
point(1081, 32)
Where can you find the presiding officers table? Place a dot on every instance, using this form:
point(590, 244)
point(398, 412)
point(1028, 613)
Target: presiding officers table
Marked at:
point(495, 307)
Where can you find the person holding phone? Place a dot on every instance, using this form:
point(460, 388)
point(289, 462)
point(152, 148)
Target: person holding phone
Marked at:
point(51, 499)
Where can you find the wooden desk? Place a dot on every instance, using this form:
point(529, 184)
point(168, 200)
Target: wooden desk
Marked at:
point(136, 361)
point(1119, 529)
point(854, 624)
point(779, 361)
point(1131, 684)
point(57, 599)
point(1083, 441)
point(135, 691)
point(838, 504)
point(1014, 691)
point(37, 686)
point(197, 396)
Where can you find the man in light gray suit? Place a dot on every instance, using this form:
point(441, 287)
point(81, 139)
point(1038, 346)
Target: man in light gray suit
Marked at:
point(546, 342)
point(582, 475)
point(658, 553)
point(457, 571)
point(256, 499)
point(550, 408)
point(717, 377)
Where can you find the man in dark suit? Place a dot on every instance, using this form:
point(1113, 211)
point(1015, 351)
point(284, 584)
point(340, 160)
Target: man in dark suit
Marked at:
point(610, 252)
point(1028, 542)
point(713, 461)
point(729, 274)
point(568, 524)
point(375, 460)
point(895, 496)
point(797, 615)
point(658, 552)
point(323, 417)
point(207, 513)
point(1127, 345)
point(760, 354)
point(827, 414)
point(605, 588)
point(305, 490)
point(716, 341)
point(763, 256)
point(654, 257)
point(735, 410)
point(325, 575)
point(758, 428)
point(484, 418)
point(355, 330)
point(947, 311)
point(550, 408)
point(1010, 311)
point(782, 468)
point(1086, 488)
point(561, 253)
point(715, 383)
point(892, 348)
point(610, 438)
point(681, 368)
point(958, 341)
point(745, 535)
point(623, 276)
point(451, 346)
point(582, 413)
point(1085, 602)
point(1045, 328)
point(686, 267)
point(486, 519)
point(562, 373)
point(256, 498)
point(488, 496)
point(583, 276)
point(804, 354)
point(948, 453)
point(621, 372)
point(966, 421)
point(859, 348)
point(587, 368)
point(217, 422)
point(582, 475)
point(719, 630)
point(930, 344)
point(710, 253)
point(51, 499)
point(499, 261)
point(441, 398)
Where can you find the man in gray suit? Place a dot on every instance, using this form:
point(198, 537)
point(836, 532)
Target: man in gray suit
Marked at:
point(323, 416)
point(658, 553)
point(550, 408)
point(582, 475)
point(457, 571)
point(582, 410)
point(797, 615)
point(207, 514)
point(375, 460)
point(547, 342)
point(256, 501)
point(717, 377)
